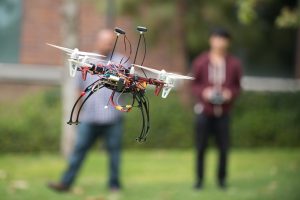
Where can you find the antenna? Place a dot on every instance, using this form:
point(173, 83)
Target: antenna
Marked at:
point(119, 32)
point(141, 30)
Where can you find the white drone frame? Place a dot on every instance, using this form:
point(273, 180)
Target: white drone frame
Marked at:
point(78, 58)
point(167, 77)
point(81, 58)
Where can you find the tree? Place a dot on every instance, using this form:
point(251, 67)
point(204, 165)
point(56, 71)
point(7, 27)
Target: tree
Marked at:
point(70, 39)
point(288, 18)
point(253, 24)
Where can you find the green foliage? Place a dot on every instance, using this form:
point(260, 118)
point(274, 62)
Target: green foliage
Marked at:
point(31, 124)
point(288, 18)
point(259, 119)
point(157, 15)
point(267, 119)
point(246, 12)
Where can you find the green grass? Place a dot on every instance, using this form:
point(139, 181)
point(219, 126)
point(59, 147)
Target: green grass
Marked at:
point(156, 174)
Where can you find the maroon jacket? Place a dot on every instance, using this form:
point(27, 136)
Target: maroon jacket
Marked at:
point(232, 81)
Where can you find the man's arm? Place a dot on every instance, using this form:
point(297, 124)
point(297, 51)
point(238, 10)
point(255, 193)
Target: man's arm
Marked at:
point(198, 85)
point(231, 93)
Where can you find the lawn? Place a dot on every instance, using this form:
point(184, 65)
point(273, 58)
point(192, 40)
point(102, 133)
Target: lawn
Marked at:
point(156, 174)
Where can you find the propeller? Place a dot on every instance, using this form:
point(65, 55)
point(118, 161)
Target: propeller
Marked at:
point(163, 72)
point(70, 51)
point(178, 76)
point(167, 77)
point(85, 59)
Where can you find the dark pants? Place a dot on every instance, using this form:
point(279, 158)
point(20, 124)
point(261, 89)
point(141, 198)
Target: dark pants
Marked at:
point(86, 137)
point(219, 126)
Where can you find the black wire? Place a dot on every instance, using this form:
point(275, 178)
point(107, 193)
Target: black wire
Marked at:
point(130, 49)
point(88, 88)
point(142, 133)
point(145, 49)
point(134, 60)
point(133, 100)
point(148, 111)
point(147, 101)
point(144, 107)
point(124, 48)
point(112, 53)
point(147, 122)
point(143, 122)
point(137, 48)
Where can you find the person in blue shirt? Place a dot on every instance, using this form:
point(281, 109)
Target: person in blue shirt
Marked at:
point(97, 120)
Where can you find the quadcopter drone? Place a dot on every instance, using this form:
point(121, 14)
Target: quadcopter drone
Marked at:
point(120, 79)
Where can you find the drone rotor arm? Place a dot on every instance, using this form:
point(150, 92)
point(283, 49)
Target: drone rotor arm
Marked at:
point(82, 63)
point(61, 48)
point(70, 51)
point(147, 68)
point(83, 53)
point(178, 76)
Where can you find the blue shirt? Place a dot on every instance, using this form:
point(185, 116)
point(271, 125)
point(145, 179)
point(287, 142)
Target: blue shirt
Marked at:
point(94, 111)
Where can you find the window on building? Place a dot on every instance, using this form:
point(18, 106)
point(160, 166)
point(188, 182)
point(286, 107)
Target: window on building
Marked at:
point(10, 29)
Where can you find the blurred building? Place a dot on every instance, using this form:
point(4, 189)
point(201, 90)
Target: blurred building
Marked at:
point(26, 26)
point(30, 24)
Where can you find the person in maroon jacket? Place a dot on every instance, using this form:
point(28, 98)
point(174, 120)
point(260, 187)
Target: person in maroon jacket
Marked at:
point(216, 86)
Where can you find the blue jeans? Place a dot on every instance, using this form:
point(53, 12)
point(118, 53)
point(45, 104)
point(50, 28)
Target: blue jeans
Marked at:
point(86, 136)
